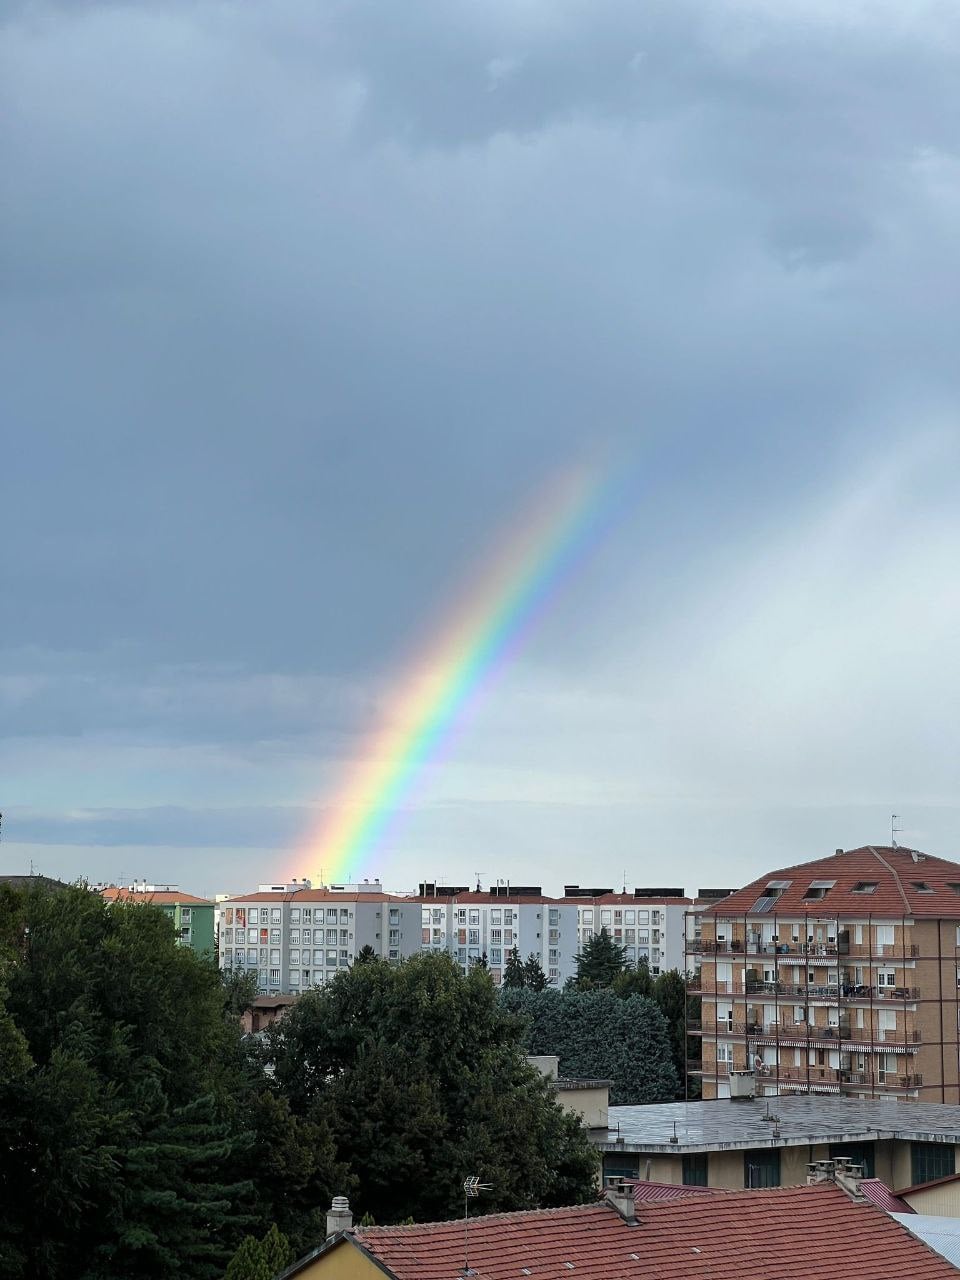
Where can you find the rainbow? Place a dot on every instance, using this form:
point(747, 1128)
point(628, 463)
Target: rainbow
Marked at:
point(477, 638)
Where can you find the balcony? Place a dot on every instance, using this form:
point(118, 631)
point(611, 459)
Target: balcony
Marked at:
point(882, 1080)
point(802, 1075)
point(693, 983)
point(883, 950)
point(860, 992)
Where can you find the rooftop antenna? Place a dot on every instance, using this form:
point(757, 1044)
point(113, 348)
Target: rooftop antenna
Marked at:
point(896, 827)
point(478, 874)
point(471, 1189)
point(624, 879)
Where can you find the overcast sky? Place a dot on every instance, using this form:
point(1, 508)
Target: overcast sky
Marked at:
point(304, 303)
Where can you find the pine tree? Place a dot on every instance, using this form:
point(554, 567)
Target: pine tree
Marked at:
point(513, 973)
point(260, 1259)
point(599, 962)
point(635, 982)
point(534, 979)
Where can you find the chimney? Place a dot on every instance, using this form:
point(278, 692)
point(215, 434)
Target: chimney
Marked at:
point(619, 1195)
point(841, 1171)
point(339, 1217)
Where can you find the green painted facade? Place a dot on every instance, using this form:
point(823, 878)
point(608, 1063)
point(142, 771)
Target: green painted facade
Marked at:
point(193, 924)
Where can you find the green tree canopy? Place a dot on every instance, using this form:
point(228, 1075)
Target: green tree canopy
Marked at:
point(534, 979)
point(599, 1035)
point(260, 1259)
point(599, 962)
point(420, 1074)
point(636, 981)
point(513, 974)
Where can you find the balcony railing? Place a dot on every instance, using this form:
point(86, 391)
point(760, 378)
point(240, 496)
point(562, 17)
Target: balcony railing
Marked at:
point(881, 1080)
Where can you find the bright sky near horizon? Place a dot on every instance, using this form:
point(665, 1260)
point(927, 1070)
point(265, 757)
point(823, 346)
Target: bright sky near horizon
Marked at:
point(303, 308)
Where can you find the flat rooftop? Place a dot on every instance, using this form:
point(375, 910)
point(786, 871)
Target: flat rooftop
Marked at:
point(724, 1125)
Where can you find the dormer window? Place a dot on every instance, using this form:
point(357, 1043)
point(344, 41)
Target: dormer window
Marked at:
point(865, 886)
point(818, 889)
point(921, 886)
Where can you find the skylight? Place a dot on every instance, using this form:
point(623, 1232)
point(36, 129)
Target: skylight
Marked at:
point(865, 886)
point(921, 886)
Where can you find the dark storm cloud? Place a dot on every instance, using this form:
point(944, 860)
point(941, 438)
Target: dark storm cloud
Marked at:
point(301, 303)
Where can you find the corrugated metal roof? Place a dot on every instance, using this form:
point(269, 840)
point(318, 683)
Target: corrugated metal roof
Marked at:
point(940, 1234)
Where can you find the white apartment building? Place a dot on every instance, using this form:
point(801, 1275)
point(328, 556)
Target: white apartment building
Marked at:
point(649, 924)
point(471, 925)
point(296, 937)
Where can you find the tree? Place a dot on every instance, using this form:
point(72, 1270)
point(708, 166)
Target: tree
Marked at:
point(481, 961)
point(260, 1259)
point(419, 1072)
point(513, 974)
point(121, 1118)
point(599, 1035)
point(534, 979)
point(635, 982)
point(670, 993)
point(366, 954)
point(599, 962)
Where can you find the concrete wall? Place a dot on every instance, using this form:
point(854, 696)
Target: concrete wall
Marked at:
point(591, 1105)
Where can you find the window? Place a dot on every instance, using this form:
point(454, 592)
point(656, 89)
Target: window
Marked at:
point(762, 1168)
point(865, 886)
point(275, 956)
point(861, 1153)
point(294, 915)
point(274, 977)
point(496, 916)
point(185, 914)
point(293, 978)
point(884, 935)
point(332, 935)
point(588, 915)
point(474, 917)
point(253, 916)
point(251, 935)
point(554, 915)
point(474, 939)
point(307, 915)
point(929, 1160)
point(921, 886)
point(275, 937)
point(695, 1171)
point(275, 915)
point(629, 917)
point(294, 957)
point(228, 915)
point(606, 917)
point(294, 937)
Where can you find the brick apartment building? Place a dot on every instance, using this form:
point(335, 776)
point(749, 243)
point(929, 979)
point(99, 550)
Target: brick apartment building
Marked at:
point(835, 976)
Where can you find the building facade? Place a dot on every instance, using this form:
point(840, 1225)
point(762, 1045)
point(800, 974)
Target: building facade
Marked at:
point(649, 923)
point(296, 937)
point(836, 976)
point(192, 917)
point(473, 926)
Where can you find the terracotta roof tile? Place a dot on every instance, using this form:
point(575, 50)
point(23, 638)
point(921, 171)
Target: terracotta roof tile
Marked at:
point(797, 1233)
point(908, 883)
point(159, 897)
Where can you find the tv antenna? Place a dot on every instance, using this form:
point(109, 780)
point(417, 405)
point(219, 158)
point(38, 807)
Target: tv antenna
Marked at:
point(896, 827)
point(471, 1189)
point(478, 874)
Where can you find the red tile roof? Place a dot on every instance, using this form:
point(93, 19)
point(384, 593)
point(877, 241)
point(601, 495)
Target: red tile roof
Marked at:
point(159, 897)
point(313, 895)
point(643, 1192)
point(628, 900)
point(897, 873)
point(795, 1233)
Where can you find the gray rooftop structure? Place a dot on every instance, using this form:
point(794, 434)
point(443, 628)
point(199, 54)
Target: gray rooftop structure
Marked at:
point(723, 1125)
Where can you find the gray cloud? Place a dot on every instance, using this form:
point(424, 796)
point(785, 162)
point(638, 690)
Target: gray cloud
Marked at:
point(300, 305)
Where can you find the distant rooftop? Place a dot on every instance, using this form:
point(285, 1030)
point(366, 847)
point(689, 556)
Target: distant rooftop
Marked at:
point(740, 1125)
